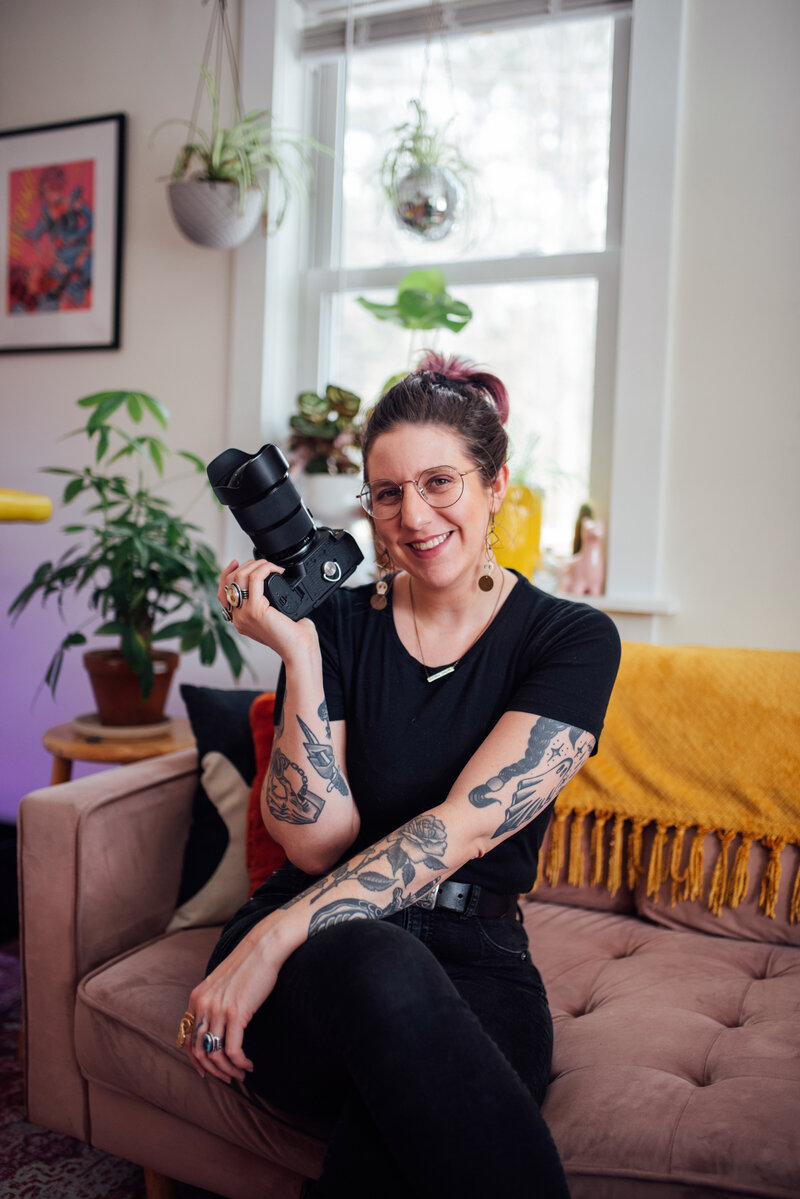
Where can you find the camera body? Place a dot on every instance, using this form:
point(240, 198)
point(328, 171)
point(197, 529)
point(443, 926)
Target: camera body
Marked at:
point(268, 507)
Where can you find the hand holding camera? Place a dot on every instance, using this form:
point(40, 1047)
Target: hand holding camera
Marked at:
point(315, 560)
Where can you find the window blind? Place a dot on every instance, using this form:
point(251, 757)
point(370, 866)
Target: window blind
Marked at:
point(380, 22)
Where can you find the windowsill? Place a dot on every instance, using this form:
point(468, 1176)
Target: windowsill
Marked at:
point(623, 605)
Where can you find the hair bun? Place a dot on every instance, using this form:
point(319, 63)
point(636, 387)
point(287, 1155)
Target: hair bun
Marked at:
point(454, 370)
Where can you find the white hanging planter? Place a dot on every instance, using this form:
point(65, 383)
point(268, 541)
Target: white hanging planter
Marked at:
point(207, 212)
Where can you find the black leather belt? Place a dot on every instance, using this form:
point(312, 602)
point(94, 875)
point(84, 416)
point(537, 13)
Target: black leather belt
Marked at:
point(458, 897)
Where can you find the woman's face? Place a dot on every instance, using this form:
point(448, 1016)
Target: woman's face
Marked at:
point(441, 546)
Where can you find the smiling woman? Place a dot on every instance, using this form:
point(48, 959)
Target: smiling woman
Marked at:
point(412, 804)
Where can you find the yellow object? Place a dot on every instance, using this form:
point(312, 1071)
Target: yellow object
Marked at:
point(696, 741)
point(519, 528)
point(23, 505)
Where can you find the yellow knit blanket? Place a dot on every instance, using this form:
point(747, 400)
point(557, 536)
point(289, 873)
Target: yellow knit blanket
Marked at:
point(698, 739)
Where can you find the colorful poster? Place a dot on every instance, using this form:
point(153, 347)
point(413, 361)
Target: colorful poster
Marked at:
point(50, 234)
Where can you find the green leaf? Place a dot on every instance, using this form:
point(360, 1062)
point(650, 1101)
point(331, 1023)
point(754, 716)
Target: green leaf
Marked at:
point(208, 648)
point(135, 410)
point(73, 488)
point(155, 407)
point(198, 462)
point(156, 449)
point(104, 409)
point(431, 280)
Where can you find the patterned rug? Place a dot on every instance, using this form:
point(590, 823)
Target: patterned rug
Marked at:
point(35, 1163)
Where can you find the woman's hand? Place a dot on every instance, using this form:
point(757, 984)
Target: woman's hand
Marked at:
point(223, 1004)
point(256, 617)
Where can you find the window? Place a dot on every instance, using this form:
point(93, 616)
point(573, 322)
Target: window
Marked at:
point(539, 111)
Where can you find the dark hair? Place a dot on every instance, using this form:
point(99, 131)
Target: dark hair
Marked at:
point(453, 392)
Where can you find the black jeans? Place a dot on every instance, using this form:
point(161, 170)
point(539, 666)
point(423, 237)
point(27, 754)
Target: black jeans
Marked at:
point(426, 1038)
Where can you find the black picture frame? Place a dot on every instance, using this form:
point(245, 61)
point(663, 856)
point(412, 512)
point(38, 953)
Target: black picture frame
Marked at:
point(62, 192)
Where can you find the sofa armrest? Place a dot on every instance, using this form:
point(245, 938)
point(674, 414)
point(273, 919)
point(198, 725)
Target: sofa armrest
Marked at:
point(99, 869)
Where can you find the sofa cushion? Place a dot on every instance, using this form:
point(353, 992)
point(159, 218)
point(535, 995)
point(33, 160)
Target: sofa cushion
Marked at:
point(666, 1044)
point(214, 876)
point(745, 918)
point(126, 1023)
point(263, 853)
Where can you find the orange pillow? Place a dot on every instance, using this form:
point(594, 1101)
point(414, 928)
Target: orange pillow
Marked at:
point(263, 855)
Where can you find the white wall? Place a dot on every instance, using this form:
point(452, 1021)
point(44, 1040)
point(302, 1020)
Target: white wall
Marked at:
point(730, 563)
point(732, 548)
point(62, 62)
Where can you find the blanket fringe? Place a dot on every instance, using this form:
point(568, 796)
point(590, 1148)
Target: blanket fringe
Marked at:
point(655, 870)
point(615, 855)
point(596, 851)
point(740, 875)
point(719, 878)
point(794, 906)
point(555, 850)
point(771, 881)
point(635, 853)
point(729, 885)
point(676, 879)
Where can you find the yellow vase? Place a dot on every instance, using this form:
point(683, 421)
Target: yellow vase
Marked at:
point(519, 526)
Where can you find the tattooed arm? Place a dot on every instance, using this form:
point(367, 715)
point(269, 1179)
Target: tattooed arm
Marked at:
point(306, 803)
point(515, 775)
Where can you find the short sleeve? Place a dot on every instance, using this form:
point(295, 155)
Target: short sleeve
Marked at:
point(571, 674)
point(328, 623)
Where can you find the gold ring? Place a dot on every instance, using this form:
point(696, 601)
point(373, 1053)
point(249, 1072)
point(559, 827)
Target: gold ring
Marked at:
point(185, 1028)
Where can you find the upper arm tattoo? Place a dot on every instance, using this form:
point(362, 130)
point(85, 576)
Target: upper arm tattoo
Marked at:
point(555, 752)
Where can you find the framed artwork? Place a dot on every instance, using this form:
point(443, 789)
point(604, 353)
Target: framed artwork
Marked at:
point(61, 207)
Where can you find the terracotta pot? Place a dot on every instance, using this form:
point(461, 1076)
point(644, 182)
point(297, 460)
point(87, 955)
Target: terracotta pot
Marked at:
point(116, 687)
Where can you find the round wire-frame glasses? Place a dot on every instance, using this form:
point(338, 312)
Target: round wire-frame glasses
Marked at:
point(439, 486)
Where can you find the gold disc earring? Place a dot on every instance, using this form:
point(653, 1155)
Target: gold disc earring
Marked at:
point(378, 601)
point(486, 580)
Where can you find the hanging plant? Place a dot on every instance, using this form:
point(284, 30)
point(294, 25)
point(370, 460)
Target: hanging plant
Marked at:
point(326, 436)
point(422, 302)
point(425, 177)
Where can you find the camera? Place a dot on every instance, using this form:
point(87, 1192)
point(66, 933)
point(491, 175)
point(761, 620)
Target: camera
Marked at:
point(267, 505)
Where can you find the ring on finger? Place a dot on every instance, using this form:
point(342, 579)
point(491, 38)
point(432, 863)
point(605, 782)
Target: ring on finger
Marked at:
point(227, 614)
point(211, 1043)
point(235, 594)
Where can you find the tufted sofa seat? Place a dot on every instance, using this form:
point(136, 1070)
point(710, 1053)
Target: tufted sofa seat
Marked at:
point(677, 1057)
point(676, 1071)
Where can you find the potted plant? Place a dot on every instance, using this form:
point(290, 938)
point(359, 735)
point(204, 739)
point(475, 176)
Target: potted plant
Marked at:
point(146, 575)
point(220, 181)
point(325, 444)
point(425, 177)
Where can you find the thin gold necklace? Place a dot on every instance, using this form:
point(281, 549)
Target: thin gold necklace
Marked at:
point(439, 674)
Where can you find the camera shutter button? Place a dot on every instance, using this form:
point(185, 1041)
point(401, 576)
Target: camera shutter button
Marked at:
point(332, 571)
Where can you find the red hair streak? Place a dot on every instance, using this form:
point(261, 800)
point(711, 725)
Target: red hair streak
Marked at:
point(461, 370)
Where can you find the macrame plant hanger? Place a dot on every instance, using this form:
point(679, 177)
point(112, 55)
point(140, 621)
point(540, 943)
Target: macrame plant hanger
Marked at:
point(208, 213)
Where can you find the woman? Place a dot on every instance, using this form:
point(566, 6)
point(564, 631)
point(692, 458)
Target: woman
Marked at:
point(424, 727)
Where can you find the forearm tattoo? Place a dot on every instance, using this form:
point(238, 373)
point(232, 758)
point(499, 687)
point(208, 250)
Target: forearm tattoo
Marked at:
point(391, 864)
point(288, 795)
point(555, 752)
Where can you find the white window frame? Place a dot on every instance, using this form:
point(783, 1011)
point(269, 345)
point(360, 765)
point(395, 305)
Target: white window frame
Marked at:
point(267, 335)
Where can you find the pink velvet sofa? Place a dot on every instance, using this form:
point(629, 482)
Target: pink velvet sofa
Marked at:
point(676, 1070)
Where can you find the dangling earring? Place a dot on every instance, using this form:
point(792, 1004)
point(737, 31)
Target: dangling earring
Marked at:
point(486, 580)
point(378, 601)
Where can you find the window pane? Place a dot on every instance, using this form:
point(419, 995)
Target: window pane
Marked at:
point(540, 339)
point(530, 109)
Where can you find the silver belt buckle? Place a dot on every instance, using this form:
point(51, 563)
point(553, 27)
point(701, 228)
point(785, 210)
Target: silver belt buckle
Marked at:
point(429, 901)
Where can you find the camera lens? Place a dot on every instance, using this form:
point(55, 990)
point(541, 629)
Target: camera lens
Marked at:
point(264, 501)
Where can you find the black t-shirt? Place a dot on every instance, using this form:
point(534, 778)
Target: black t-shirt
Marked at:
point(408, 739)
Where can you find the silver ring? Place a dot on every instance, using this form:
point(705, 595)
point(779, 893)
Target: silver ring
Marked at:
point(211, 1044)
point(235, 594)
point(227, 615)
